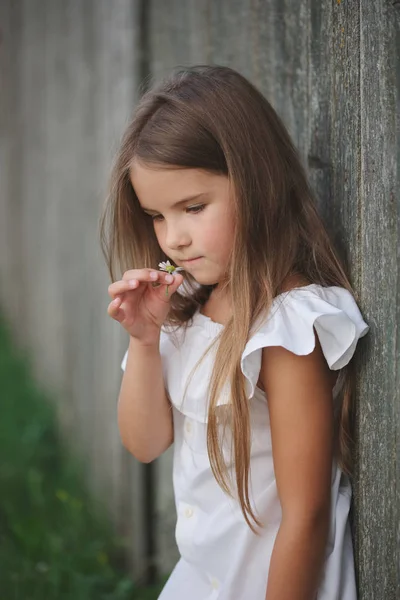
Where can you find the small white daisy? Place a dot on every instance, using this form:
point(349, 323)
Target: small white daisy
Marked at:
point(166, 266)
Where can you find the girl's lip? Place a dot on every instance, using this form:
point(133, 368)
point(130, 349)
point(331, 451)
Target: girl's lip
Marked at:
point(190, 260)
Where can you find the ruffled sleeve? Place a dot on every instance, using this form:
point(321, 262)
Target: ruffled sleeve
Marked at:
point(331, 310)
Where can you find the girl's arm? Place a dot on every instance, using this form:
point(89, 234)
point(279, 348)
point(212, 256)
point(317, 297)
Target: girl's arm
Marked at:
point(299, 393)
point(140, 303)
point(144, 412)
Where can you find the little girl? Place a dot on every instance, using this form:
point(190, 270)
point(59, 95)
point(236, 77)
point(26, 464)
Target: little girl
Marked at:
point(239, 359)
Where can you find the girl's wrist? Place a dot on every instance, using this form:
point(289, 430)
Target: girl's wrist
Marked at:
point(150, 346)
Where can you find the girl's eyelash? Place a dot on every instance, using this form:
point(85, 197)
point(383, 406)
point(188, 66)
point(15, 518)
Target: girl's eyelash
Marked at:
point(196, 209)
point(192, 209)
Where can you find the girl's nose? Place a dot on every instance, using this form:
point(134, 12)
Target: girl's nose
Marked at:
point(177, 237)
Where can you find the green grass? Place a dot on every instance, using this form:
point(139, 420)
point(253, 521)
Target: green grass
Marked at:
point(54, 543)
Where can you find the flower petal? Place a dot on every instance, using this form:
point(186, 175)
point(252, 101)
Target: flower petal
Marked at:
point(171, 269)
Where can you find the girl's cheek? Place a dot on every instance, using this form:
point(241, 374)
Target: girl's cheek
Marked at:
point(159, 235)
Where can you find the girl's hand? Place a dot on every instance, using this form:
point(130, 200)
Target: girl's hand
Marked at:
point(139, 306)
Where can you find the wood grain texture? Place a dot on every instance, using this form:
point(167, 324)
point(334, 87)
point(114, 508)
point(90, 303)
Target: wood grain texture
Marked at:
point(377, 490)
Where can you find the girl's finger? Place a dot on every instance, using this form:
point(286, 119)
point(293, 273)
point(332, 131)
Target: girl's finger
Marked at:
point(145, 275)
point(141, 276)
point(170, 285)
point(119, 287)
point(114, 307)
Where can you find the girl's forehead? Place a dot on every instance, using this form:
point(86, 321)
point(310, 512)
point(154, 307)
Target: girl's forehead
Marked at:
point(153, 174)
point(173, 184)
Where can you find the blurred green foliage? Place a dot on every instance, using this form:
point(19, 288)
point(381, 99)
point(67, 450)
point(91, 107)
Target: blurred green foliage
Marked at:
point(54, 543)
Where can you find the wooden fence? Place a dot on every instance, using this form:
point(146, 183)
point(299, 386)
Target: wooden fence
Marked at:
point(70, 74)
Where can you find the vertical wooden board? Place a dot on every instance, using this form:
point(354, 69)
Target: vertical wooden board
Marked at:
point(53, 355)
point(69, 225)
point(78, 225)
point(80, 221)
point(178, 35)
point(117, 69)
point(10, 290)
point(59, 176)
point(377, 489)
point(6, 115)
point(345, 132)
point(33, 192)
point(319, 158)
point(394, 67)
point(281, 56)
point(233, 35)
point(334, 121)
point(268, 17)
point(11, 263)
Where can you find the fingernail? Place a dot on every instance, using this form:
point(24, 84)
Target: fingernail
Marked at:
point(153, 275)
point(132, 282)
point(169, 278)
point(116, 301)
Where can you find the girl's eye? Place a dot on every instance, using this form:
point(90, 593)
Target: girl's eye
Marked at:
point(190, 209)
point(196, 209)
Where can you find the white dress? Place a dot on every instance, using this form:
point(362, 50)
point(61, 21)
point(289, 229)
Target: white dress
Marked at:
point(221, 558)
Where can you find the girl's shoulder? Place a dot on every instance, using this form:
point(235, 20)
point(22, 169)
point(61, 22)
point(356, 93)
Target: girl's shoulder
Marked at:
point(313, 304)
point(298, 313)
point(297, 316)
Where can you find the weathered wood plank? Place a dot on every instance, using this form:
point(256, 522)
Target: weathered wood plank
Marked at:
point(33, 186)
point(343, 213)
point(114, 58)
point(179, 35)
point(11, 147)
point(233, 35)
point(377, 491)
point(282, 34)
point(319, 157)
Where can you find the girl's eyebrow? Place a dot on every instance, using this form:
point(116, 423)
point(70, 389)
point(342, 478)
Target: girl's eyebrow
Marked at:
point(188, 199)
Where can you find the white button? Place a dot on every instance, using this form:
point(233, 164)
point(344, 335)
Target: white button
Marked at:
point(189, 512)
point(188, 427)
point(214, 583)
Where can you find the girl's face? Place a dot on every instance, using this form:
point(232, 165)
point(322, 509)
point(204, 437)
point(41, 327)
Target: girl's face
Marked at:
point(193, 217)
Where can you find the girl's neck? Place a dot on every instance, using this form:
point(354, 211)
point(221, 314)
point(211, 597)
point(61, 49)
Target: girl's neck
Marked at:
point(218, 306)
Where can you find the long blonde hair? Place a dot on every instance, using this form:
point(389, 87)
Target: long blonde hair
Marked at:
point(212, 118)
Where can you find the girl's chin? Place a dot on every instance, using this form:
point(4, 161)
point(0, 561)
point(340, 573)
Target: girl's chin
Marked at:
point(205, 280)
point(204, 276)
